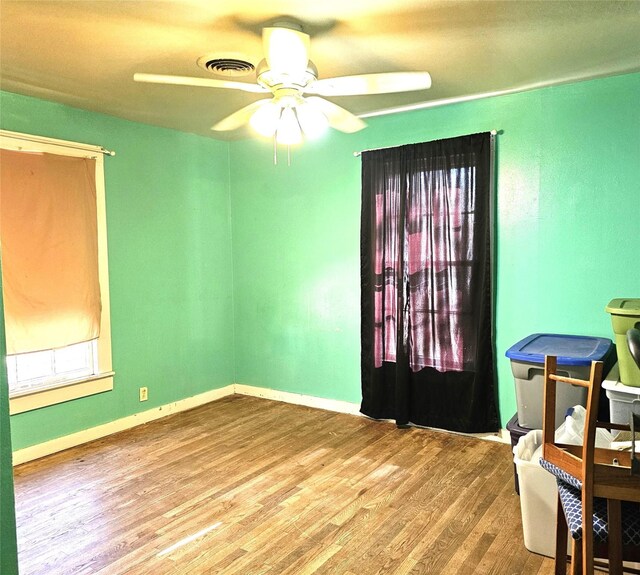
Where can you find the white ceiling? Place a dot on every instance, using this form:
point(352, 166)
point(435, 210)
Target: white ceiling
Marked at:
point(84, 52)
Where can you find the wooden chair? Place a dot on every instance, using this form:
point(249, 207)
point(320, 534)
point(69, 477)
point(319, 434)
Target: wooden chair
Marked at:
point(598, 491)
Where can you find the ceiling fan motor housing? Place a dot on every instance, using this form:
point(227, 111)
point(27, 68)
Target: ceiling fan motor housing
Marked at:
point(273, 81)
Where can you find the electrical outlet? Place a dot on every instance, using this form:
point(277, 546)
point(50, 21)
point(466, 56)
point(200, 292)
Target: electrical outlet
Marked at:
point(144, 394)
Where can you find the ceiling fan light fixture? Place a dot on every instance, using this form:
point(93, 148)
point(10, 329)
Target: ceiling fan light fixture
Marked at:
point(288, 132)
point(312, 121)
point(265, 119)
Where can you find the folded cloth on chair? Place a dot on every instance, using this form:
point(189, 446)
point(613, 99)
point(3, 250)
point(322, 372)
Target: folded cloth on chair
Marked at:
point(571, 500)
point(561, 474)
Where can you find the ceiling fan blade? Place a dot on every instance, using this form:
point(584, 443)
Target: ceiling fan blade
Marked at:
point(338, 117)
point(203, 82)
point(286, 50)
point(371, 84)
point(239, 118)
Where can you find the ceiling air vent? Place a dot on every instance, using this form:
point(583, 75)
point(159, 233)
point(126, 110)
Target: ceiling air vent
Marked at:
point(227, 67)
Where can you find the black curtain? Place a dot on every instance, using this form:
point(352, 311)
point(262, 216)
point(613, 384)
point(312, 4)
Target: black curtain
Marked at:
point(427, 331)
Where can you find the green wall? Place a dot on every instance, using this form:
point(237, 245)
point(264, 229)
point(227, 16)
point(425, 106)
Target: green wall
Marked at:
point(170, 273)
point(568, 231)
point(8, 544)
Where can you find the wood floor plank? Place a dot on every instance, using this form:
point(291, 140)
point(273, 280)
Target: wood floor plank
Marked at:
point(246, 486)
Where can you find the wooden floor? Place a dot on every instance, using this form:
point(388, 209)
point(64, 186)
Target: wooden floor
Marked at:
point(246, 486)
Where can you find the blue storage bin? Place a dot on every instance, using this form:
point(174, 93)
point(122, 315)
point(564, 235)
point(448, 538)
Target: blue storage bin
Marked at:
point(575, 354)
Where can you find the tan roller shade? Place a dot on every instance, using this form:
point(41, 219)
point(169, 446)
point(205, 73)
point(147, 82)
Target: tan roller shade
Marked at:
point(48, 230)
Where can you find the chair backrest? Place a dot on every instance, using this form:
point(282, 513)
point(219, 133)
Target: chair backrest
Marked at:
point(575, 460)
point(602, 472)
point(597, 472)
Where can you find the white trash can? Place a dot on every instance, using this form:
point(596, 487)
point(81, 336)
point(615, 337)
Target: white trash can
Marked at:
point(538, 496)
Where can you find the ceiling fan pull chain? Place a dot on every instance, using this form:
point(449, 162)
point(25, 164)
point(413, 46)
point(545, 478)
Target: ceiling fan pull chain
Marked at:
point(275, 150)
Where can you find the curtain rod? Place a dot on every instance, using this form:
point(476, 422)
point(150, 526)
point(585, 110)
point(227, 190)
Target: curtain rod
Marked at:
point(357, 154)
point(55, 142)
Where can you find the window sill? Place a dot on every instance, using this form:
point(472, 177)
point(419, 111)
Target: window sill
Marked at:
point(64, 391)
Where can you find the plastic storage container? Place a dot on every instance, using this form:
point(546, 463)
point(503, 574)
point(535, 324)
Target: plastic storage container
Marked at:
point(575, 354)
point(625, 314)
point(623, 399)
point(538, 496)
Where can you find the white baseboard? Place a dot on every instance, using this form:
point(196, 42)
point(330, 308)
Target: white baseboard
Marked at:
point(93, 433)
point(504, 436)
point(501, 436)
point(299, 399)
point(74, 439)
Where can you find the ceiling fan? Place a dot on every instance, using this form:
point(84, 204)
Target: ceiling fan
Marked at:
point(296, 106)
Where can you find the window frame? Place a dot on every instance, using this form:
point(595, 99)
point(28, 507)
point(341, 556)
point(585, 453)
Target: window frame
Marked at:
point(89, 350)
point(102, 381)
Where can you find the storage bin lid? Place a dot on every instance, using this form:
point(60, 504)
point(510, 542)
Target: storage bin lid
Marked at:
point(624, 306)
point(569, 349)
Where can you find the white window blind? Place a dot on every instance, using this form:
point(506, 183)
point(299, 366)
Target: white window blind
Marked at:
point(48, 228)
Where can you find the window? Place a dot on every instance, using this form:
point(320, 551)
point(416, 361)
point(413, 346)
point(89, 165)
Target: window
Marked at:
point(38, 370)
point(425, 245)
point(71, 365)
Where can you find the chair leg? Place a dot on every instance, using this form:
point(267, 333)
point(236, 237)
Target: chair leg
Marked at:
point(576, 557)
point(587, 533)
point(561, 541)
point(614, 520)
